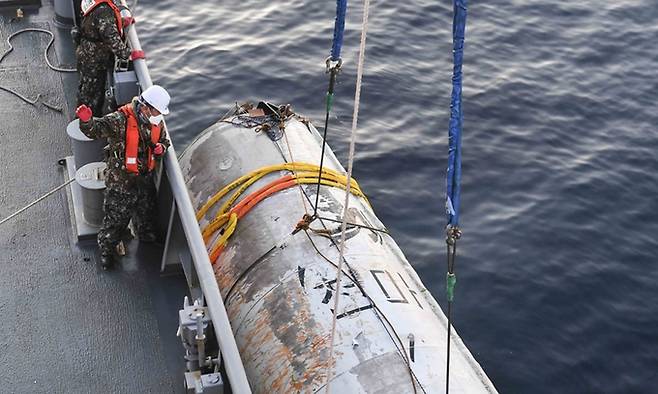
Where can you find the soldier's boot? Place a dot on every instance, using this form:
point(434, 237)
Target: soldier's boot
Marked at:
point(107, 262)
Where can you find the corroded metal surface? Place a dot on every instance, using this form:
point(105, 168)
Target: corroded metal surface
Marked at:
point(279, 290)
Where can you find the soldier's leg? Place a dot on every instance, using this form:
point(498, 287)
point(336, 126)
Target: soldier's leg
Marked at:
point(145, 210)
point(118, 208)
point(91, 89)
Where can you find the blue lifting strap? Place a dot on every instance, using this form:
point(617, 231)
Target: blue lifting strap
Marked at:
point(339, 29)
point(453, 189)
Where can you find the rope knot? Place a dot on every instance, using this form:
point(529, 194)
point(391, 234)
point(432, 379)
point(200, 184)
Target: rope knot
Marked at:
point(304, 223)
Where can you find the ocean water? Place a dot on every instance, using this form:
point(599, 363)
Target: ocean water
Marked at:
point(557, 269)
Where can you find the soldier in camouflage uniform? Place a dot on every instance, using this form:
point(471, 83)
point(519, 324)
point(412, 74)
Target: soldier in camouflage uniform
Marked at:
point(129, 177)
point(101, 39)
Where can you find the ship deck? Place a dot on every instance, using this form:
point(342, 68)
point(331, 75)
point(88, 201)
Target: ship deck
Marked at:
point(67, 325)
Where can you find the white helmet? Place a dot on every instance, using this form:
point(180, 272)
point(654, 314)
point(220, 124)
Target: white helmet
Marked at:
point(158, 98)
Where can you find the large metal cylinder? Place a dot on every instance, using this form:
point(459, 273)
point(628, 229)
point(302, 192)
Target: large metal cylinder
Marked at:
point(85, 150)
point(91, 179)
point(65, 12)
point(279, 288)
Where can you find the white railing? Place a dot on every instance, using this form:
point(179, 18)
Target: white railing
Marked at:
point(213, 298)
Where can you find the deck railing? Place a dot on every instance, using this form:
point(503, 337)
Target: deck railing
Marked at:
point(182, 213)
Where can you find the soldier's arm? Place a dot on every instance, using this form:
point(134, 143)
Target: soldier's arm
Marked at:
point(163, 139)
point(109, 125)
point(108, 30)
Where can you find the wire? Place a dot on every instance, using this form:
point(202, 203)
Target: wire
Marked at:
point(355, 116)
point(453, 234)
point(330, 98)
point(384, 230)
point(399, 345)
point(301, 189)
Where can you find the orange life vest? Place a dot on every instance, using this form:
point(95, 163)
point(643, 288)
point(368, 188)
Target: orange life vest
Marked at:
point(89, 5)
point(132, 141)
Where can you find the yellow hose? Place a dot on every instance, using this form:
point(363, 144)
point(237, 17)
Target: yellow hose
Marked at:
point(308, 174)
point(295, 166)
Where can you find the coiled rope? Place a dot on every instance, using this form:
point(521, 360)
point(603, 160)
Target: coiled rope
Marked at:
point(45, 52)
point(45, 55)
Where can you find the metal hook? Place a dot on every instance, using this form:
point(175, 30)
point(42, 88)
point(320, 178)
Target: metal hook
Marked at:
point(338, 63)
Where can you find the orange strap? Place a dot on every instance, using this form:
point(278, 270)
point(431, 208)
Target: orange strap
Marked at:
point(115, 9)
point(132, 141)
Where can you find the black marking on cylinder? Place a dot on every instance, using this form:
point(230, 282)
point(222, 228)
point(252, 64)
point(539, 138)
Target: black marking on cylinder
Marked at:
point(301, 271)
point(413, 292)
point(374, 274)
point(402, 299)
point(329, 283)
point(412, 348)
point(327, 296)
point(353, 311)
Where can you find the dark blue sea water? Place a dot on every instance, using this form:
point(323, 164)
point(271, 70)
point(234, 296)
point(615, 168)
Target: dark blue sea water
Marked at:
point(557, 268)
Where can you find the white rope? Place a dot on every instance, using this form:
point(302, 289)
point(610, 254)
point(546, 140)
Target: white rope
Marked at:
point(50, 193)
point(355, 116)
point(45, 51)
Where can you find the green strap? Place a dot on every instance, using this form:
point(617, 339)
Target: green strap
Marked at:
point(330, 101)
point(451, 279)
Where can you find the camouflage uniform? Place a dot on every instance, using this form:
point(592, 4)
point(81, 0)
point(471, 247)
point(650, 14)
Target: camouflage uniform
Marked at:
point(100, 41)
point(127, 195)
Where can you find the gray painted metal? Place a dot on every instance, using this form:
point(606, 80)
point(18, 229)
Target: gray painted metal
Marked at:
point(83, 230)
point(279, 290)
point(194, 320)
point(207, 384)
point(85, 150)
point(125, 87)
point(92, 184)
point(19, 3)
point(64, 12)
point(212, 297)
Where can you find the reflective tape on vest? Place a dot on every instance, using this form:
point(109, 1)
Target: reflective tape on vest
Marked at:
point(86, 5)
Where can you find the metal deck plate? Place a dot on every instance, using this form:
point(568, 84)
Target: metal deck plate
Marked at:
point(69, 327)
point(19, 3)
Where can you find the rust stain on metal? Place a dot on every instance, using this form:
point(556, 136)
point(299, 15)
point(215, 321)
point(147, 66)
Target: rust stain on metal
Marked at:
point(284, 329)
point(224, 274)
